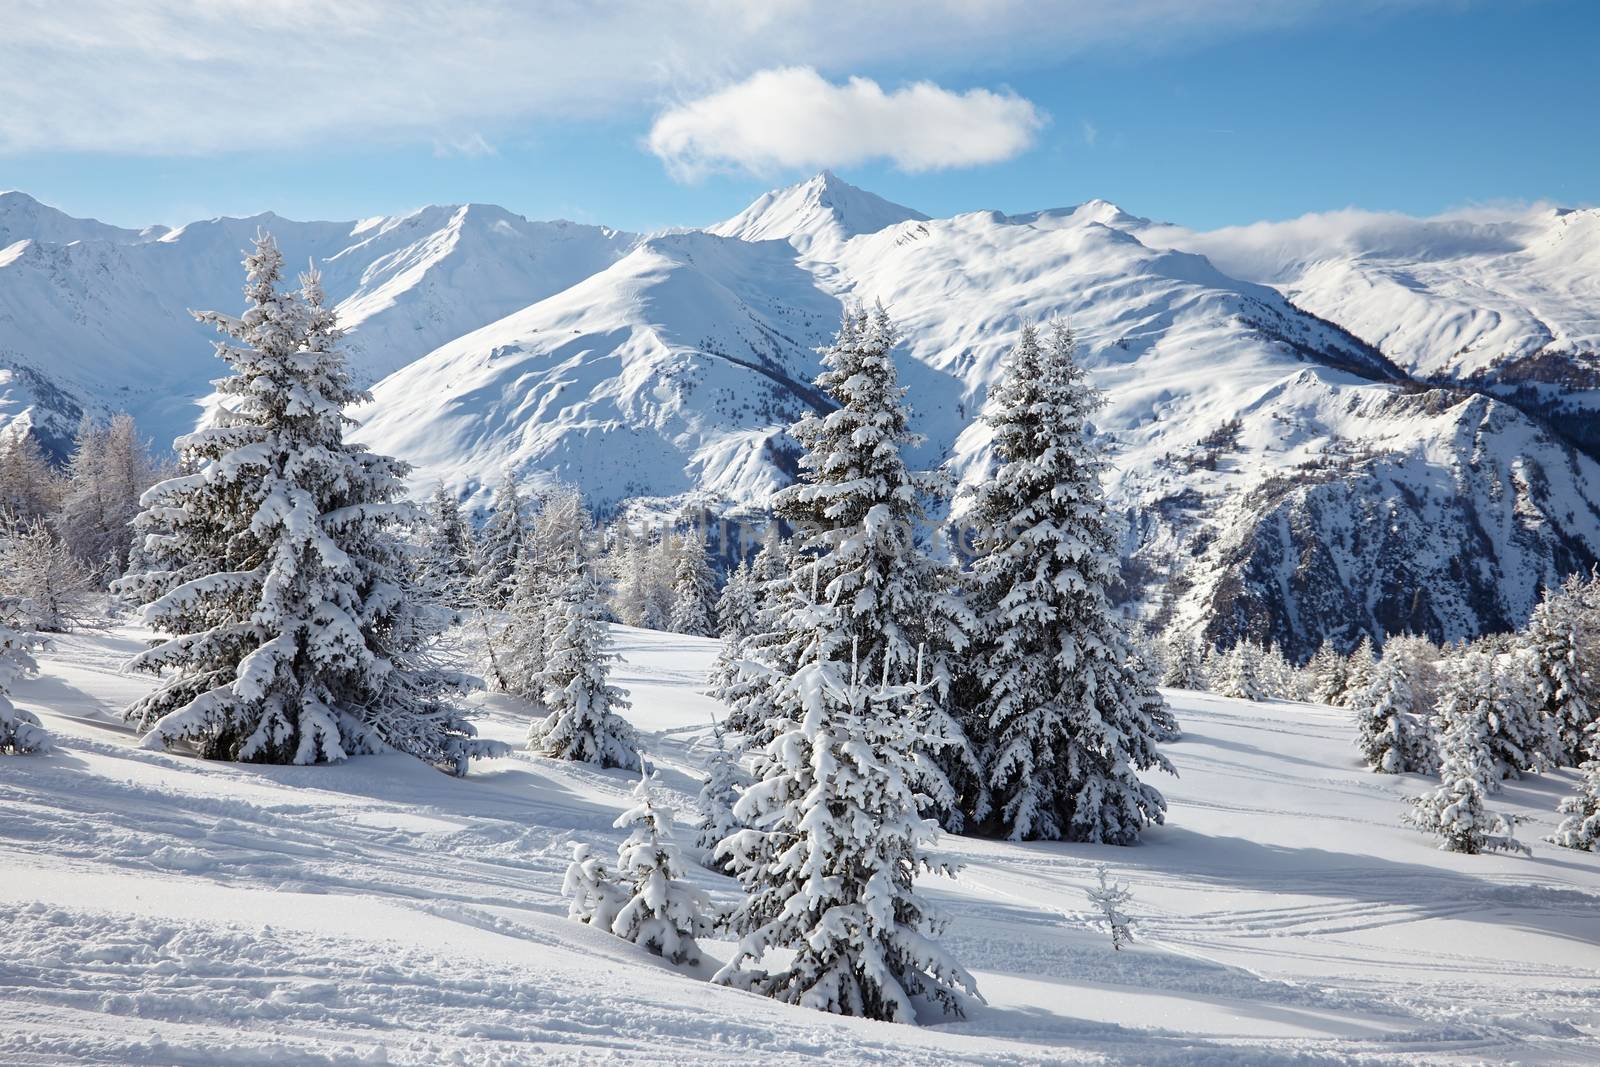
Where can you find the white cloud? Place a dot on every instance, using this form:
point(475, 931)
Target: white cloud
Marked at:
point(793, 118)
point(185, 76)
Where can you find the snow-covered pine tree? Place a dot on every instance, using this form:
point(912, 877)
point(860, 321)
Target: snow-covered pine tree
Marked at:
point(1581, 827)
point(1066, 723)
point(1457, 811)
point(736, 622)
point(1358, 671)
point(1392, 737)
point(520, 648)
point(1554, 643)
point(1276, 674)
point(1490, 695)
point(447, 550)
point(498, 546)
point(582, 723)
point(1183, 668)
point(594, 894)
point(742, 690)
point(1240, 673)
point(275, 567)
point(20, 731)
point(1327, 675)
point(694, 589)
point(717, 798)
point(663, 913)
point(833, 845)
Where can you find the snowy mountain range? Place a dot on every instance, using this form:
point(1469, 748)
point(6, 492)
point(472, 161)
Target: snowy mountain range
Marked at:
point(1344, 424)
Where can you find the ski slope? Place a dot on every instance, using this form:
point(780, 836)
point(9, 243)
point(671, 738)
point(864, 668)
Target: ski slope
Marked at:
point(159, 910)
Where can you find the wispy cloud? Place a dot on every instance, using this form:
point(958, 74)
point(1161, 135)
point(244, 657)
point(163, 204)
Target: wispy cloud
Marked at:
point(186, 76)
point(792, 118)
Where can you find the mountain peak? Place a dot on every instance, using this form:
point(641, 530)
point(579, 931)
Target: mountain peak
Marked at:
point(824, 208)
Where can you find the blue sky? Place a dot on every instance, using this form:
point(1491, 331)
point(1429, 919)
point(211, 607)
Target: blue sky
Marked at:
point(1408, 105)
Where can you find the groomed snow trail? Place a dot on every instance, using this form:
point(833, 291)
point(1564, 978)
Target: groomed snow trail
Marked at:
point(155, 909)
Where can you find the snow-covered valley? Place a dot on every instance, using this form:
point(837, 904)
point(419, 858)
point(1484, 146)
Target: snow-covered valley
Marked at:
point(159, 909)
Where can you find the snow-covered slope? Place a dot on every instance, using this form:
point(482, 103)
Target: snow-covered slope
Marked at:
point(155, 909)
point(1252, 376)
point(95, 317)
point(1503, 297)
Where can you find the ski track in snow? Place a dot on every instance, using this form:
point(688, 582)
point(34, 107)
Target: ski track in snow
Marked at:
point(155, 909)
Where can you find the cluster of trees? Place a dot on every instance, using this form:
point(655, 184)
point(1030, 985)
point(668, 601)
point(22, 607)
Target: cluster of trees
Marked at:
point(1472, 714)
point(64, 534)
point(876, 689)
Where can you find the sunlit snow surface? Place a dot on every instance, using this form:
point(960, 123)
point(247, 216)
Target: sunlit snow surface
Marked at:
point(160, 910)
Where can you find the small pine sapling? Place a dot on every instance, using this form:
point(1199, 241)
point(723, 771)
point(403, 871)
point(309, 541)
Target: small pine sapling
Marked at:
point(1109, 898)
point(662, 913)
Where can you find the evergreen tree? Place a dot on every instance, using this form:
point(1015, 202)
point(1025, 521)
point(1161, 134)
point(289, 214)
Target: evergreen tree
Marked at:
point(833, 846)
point(663, 913)
point(582, 723)
point(1358, 671)
point(1457, 811)
point(1183, 667)
point(694, 590)
point(741, 675)
point(20, 731)
point(1109, 898)
point(447, 550)
point(1392, 737)
point(593, 893)
point(717, 798)
point(1241, 673)
point(1326, 675)
point(274, 565)
point(1066, 724)
point(1581, 827)
point(499, 545)
point(855, 513)
point(1554, 643)
point(736, 621)
point(1490, 695)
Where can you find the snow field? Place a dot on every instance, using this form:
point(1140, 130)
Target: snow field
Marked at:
point(155, 909)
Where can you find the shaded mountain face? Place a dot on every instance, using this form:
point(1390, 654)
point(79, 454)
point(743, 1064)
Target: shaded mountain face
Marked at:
point(1288, 471)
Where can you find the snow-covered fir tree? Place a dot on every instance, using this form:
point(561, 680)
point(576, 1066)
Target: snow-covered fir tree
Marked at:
point(663, 913)
point(447, 550)
point(494, 562)
point(694, 589)
point(1358, 671)
point(741, 675)
point(737, 616)
point(1492, 696)
point(1239, 673)
point(594, 893)
point(274, 565)
point(1392, 737)
point(1065, 724)
point(520, 648)
point(1327, 672)
point(832, 846)
point(582, 723)
point(717, 797)
point(1554, 642)
point(1457, 812)
point(855, 513)
point(1580, 828)
point(20, 731)
point(1182, 667)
